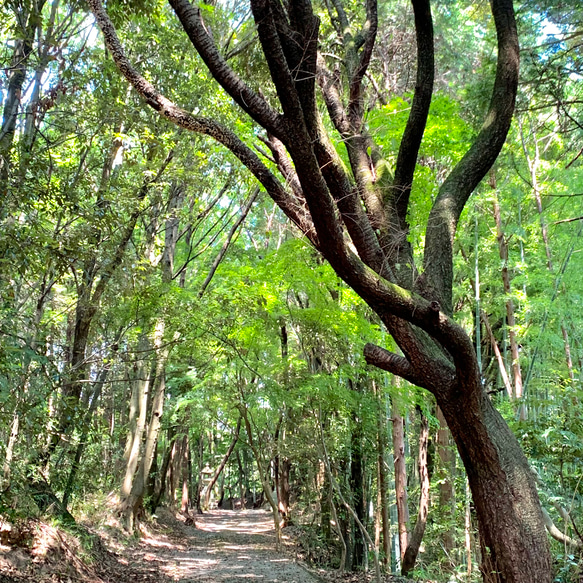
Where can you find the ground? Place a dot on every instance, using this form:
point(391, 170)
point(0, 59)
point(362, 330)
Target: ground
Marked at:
point(225, 546)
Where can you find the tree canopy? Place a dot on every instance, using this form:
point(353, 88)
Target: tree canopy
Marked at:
point(249, 249)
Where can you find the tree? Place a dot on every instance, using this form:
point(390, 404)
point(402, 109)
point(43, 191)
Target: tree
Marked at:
point(358, 219)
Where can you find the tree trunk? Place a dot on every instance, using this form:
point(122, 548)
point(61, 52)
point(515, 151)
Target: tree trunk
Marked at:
point(283, 463)
point(359, 223)
point(7, 466)
point(383, 486)
point(344, 550)
point(400, 478)
point(510, 314)
point(138, 415)
point(468, 533)
point(174, 472)
point(131, 504)
point(357, 491)
point(416, 538)
point(139, 488)
point(207, 491)
point(283, 491)
point(157, 497)
point(33, 117)
point(505, 497)
point(242, 485)
point(185, 500)
point(446, 484)
point(199, 481)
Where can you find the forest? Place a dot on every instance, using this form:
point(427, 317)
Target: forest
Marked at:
point(309, 263)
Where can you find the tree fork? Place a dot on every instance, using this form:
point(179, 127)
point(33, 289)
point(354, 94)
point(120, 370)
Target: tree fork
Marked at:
point(437, 353)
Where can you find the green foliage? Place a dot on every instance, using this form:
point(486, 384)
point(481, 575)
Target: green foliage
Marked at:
point(276, 333)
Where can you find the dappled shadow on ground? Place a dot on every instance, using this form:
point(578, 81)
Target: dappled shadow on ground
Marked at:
point(226, 546)
point(239, 522)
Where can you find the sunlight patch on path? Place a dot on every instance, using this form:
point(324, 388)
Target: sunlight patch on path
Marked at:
point(228, 547)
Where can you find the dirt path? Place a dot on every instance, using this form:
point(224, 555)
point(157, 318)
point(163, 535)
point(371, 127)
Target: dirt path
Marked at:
point(225, 547)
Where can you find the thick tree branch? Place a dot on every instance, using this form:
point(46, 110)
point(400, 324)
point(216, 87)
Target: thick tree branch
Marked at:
point(350, 205)
point(299, 41)
point(276, 61)
point(391, 362)
point(254, 105)
point(202, 125)
point(284, 165)
point(457, 188)
point(330, 86)
point(369, 34)
point(298, 141)
point(429, 358)
point(342, 18)
point(349, 121)
point(413, 134)
point(351, 210)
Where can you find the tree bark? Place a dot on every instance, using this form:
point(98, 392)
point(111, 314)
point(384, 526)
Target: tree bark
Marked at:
point(383, 485)
point(283, 491)
point(337, 211)
point(416, 537)
point(242, 485)
point(446, 485)
point(138, 411)
point(400, 466)
point(157, 497)
point(132, 504)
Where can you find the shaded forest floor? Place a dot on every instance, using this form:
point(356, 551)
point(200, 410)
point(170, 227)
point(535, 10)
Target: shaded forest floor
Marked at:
point(224, 547)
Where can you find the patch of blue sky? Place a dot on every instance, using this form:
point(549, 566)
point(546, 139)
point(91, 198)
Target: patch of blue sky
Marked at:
point(551, 38)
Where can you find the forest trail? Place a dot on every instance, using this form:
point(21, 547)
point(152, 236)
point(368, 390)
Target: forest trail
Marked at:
point(226, 546)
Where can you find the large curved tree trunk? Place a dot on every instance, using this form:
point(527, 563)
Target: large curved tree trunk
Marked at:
point(505, 498)
point(358, 220)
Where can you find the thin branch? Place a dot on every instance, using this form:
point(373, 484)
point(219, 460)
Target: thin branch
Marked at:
point(498, 354)
point(221, 253)
point(556, 533)
point(568, 220)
